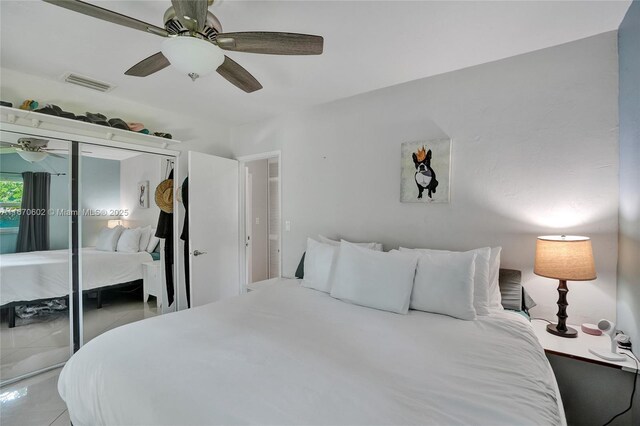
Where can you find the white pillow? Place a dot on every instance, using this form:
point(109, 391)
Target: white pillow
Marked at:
point(108, 238)
point(129, 241)
point(145, 236)
point(374, 279)
point(444, 284)
point(480, 280)
point(318, 262)
point(153, 241)
point(495, 298)
point(372, 246)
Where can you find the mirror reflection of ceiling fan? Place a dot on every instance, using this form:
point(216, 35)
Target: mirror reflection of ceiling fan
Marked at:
point(194, 41)
point(32, 150)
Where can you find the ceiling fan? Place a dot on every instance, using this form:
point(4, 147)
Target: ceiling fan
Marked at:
point(32, 150)
point(195, 42)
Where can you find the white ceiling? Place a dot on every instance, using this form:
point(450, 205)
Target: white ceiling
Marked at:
point(368, 45)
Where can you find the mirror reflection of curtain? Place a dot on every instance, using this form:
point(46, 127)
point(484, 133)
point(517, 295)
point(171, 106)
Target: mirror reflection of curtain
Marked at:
point(33, 233)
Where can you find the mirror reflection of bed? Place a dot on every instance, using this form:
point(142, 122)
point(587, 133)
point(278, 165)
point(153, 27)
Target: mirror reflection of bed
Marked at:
point(123, 275)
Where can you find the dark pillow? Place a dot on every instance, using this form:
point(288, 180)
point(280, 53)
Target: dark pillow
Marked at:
point(300, 270)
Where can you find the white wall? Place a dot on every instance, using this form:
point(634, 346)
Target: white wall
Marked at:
point(534, 152)
point(143, 167)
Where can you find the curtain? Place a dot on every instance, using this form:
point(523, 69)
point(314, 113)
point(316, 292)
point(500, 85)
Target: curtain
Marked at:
point(33, 233)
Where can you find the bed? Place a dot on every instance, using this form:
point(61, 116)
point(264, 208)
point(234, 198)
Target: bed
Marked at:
point(41, 275)
point(285, 354)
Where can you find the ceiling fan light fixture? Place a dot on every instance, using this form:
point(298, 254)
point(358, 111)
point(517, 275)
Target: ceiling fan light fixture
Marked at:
point(32, 156)
point(192, 56)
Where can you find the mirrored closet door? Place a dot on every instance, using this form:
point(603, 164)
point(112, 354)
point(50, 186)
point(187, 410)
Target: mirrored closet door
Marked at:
point(85, 245)
point(123, 237)
point(35, 205)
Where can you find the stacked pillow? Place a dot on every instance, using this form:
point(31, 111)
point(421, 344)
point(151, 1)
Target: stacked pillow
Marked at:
point(127, 240)
point(459, 284)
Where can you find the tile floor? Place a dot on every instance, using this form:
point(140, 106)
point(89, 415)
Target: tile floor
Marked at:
point(37, 344)
point(33, 401)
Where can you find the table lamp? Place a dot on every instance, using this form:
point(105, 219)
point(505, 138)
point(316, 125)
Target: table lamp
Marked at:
point(565, 258)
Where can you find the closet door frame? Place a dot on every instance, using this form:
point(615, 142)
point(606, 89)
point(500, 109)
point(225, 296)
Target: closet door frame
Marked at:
point(75, 228)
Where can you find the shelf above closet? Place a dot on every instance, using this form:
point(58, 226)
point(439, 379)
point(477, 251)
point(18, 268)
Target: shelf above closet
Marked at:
point(60, 124)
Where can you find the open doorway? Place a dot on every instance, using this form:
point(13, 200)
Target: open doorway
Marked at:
point(262, 234)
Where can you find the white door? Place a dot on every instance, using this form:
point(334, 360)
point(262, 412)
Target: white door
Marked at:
point(213, 228)
point(248, 218)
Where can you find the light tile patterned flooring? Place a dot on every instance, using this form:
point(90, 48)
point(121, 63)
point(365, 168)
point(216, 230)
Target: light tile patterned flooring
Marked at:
point(37, 344)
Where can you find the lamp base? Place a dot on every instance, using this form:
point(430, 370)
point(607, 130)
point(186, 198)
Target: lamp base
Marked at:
point(569, 332)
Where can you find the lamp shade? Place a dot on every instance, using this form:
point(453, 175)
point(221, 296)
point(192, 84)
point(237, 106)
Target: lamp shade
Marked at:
point(192, 55)
point(568, 258)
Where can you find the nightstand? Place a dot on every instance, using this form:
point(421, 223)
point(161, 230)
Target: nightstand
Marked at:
point(592, 389)
point(578, 348)
point(152, 281)
point(256, 285)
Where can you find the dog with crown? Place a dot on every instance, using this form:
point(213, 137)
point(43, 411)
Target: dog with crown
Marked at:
point(425, 176)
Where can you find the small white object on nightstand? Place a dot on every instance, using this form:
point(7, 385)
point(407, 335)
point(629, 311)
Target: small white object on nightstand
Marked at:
point(152, 281)
point(610, 354)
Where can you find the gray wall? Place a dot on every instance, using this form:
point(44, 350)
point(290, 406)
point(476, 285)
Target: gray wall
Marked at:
point(100, 189)
point(260, 209)
point(629, 216)
point(534, 152)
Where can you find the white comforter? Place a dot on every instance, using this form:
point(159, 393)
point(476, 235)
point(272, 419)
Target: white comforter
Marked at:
point(45, 274)
point(290, 355)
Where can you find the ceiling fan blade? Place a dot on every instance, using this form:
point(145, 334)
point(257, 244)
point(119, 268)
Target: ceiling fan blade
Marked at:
point(9, 145)
point(55, 155)
point(191, 13)
point(108, 15)
point(148, 66)
point(238, 76)
point(271, 43)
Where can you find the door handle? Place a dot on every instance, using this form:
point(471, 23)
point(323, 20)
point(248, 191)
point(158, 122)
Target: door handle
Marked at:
point(198, 252)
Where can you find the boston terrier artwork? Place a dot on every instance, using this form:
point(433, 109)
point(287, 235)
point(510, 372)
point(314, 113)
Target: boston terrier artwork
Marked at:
point(425, 177)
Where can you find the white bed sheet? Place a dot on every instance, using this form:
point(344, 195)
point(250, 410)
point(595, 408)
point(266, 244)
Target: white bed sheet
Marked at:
point(45, 274)
point(286, 354)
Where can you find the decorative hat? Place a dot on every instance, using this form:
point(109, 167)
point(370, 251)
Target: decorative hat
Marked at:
point(164, 195)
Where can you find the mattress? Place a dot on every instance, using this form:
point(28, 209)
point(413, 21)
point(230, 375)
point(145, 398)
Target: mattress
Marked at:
point(45, 274)
point(285, 354)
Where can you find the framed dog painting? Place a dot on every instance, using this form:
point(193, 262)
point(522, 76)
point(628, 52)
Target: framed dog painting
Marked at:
point(426, 166)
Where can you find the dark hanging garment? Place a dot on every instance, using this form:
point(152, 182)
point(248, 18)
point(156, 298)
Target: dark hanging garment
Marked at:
point(165, 231)
point(33, 231)
point(185, 237)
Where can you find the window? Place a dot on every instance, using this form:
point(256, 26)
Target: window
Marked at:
point(10, 201)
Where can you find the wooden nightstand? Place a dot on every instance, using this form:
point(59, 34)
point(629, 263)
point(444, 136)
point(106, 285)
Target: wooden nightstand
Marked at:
point(152, 281)
point(592, 389)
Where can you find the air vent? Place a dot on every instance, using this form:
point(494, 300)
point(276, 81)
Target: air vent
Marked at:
point(87, 82)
